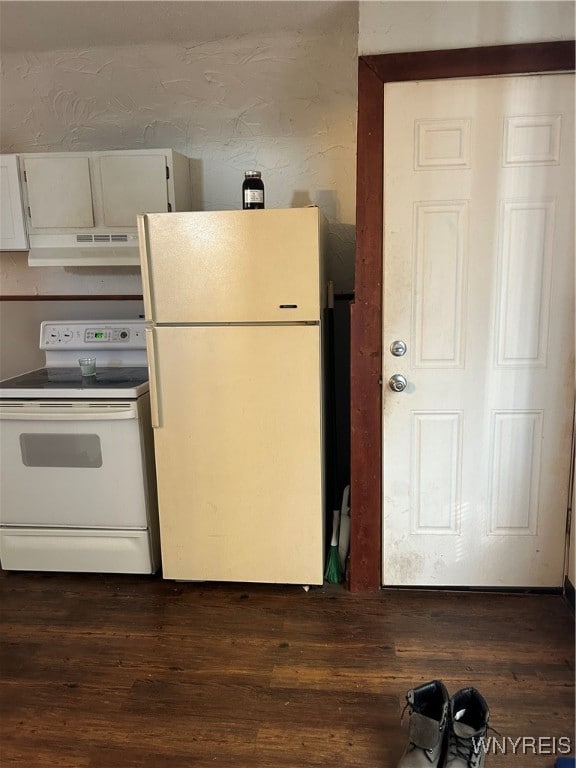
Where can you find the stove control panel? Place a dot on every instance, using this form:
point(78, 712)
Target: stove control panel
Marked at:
point(103, 335)
point(127, 334)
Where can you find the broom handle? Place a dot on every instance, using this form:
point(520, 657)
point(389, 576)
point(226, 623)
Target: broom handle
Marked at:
point(335, 527)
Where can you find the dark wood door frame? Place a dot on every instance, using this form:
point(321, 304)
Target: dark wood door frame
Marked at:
point(366, 318)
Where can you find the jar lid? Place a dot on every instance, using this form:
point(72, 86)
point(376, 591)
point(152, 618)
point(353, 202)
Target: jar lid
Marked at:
point(253, 174)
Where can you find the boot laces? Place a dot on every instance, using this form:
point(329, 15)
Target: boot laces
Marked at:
point(463, 747)
point(429, 753)
point(406, 706)
point(409, 706)
point(467, 747)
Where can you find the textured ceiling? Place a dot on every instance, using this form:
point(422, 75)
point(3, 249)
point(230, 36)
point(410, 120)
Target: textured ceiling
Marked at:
point(44, 25)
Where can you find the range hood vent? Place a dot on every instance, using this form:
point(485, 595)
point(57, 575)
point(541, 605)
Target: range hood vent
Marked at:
point(101, 238)
point(100, 249)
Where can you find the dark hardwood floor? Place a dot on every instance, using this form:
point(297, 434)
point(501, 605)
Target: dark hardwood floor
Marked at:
point(136, 672)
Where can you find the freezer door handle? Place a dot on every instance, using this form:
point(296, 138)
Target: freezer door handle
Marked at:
point(153, 384)
point(144, 250)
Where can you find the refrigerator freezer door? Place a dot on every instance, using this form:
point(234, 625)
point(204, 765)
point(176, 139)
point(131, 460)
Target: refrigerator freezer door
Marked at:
point(231, 266)
point(238, 447)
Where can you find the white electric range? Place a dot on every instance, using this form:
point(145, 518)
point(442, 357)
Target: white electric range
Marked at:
point(78, 490)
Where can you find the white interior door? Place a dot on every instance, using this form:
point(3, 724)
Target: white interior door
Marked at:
point(479, 284)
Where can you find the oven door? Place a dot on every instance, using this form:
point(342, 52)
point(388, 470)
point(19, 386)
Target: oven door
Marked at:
point(72, 464)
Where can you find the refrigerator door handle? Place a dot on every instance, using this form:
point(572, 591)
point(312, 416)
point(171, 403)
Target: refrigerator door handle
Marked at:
point(153, 369)
point(144, 265)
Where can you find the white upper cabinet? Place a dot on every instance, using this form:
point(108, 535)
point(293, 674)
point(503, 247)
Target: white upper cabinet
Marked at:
point(131, 184)
point(59, 192)
point(12, 227)
point(81, 207)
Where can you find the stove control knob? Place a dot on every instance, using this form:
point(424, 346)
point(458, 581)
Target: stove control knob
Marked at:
point(124, 334)
point(67, 335)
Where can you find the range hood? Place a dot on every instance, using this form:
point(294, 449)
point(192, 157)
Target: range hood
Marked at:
point(81, 208)
point(84, 250)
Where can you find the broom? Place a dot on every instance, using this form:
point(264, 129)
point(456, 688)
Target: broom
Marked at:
point(333, 573)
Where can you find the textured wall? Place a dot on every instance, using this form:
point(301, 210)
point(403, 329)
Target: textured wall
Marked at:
point(282, 101)
point(394, 26)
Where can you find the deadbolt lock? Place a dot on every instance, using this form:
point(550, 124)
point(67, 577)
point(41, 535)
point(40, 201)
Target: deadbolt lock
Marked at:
point(398, 348)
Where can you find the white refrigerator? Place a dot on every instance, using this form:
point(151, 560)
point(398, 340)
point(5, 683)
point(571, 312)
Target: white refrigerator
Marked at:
point(233, 303)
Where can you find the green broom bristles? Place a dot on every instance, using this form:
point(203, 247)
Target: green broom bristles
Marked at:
point(333, 573)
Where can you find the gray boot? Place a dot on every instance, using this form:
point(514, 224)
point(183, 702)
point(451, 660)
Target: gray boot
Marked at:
point(428, 704)
point(467, 732)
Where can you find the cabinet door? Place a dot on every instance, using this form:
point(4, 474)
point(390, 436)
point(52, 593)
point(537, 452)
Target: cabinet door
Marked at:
point(59, 192)
point(131, 184)
point(12, 230)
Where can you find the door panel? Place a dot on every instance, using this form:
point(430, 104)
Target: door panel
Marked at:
point(90, 472)
point(479, 282)
point(131, 184)
point(238, 452)
point(59, 192)
point(12, 228)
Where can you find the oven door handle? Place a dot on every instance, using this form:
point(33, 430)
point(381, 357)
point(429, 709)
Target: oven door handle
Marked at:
point(44, 414)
